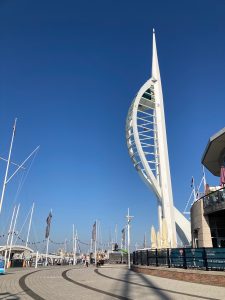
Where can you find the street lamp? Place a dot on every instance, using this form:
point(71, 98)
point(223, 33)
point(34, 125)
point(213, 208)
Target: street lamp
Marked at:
point(129, 218)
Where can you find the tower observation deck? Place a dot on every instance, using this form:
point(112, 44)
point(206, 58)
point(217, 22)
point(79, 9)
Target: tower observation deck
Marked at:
point(147, 147)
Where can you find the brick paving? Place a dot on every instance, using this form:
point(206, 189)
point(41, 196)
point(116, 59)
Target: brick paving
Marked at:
point(104, 283)
point(197, 276)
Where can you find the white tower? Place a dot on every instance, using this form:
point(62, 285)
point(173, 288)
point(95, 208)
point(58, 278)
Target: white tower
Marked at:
point(147, 146)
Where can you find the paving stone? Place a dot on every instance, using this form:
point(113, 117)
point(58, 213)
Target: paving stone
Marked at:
point(104, 283)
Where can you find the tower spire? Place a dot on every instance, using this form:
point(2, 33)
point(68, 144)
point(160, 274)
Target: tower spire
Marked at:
point(155, 63)
point(167, 209)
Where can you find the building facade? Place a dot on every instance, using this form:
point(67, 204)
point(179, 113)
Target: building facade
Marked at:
point(208, 212)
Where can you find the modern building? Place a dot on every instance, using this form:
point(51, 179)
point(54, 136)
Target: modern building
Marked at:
point(208, 212)
point(147, 146)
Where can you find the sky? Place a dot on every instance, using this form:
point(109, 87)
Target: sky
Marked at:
point(69, 71)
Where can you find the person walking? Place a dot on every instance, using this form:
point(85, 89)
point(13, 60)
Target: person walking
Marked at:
point(86, 261)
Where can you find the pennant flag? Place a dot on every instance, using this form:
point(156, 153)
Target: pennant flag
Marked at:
point(14, 126)
point(123, 234)
point(192, 182)
point(123, 238)
point(48, 221)
point(94, 232)
point(197, 194)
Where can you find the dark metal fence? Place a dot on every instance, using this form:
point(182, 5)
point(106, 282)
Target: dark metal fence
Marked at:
point(186, 258)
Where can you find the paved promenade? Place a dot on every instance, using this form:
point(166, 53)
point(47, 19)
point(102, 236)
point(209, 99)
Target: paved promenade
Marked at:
point(108, 282)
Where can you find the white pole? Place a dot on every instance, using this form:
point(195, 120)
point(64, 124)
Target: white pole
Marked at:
point(96, 243)
point(100, 245)
point(47, 244)
point(194, 191)
point(7, 166)
point(36, 262)
point(98, 234)
point(31, 215)
point(65, 246)
point(204, 178)
point(91, 245)
point(9, 233)
point(46, 255)
point(116, 234)
point(75, 249)
point(128, 239)
point(125, 239)
point(14, 226)
point(129, 218)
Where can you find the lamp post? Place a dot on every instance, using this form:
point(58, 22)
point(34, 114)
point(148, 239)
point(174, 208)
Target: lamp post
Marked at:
point(129, 218)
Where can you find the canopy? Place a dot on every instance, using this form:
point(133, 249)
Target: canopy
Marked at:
point(213, 157)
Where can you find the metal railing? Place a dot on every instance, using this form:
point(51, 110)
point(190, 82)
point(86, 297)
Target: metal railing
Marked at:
point(186, 258)
point(214, 201)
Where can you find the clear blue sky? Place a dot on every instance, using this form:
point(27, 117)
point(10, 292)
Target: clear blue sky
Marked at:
point(69, 71)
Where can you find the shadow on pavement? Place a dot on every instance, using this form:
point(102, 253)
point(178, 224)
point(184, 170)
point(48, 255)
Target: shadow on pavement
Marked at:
point(157, 291)
point(162, 292)
point(9, 296)
point(126, 286)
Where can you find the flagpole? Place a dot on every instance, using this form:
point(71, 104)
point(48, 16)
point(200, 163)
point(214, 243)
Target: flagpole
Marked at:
point(46, 255)
point(125, 242)
point(75, 249)
point(116, 233)
point(47, 243)
point(7, 166)
point(96, 244)
point(144, 240)
point(91, 245)
point(36, 262)
point(65, 245)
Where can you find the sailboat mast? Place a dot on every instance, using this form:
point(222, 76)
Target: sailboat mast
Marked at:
point(31, 215)
point(75, 249)
point(14, 226)
point(9, 233)
point(7, 166)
